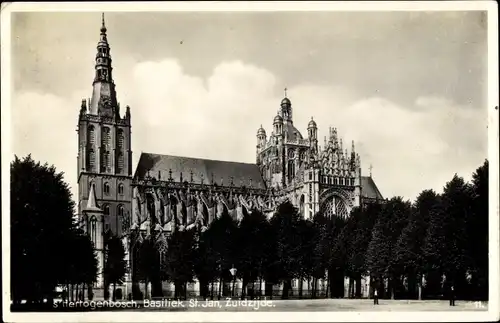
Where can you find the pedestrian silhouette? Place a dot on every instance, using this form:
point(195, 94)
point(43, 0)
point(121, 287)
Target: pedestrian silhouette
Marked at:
point(375, 297)
point(452, 296)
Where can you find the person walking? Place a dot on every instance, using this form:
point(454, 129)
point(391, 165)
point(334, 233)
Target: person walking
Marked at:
point(452, 296)
point(375, 297)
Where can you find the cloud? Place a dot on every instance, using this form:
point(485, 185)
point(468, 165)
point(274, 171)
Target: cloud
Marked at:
point(412, 147)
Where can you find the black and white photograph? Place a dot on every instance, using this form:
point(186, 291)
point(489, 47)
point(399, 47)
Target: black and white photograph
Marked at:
point(250, 161)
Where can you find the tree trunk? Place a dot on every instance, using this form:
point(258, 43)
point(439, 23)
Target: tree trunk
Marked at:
point(420, 287)
point(221, 281)
point(212, 290)
point(244, 282)
point(300, 287)
point(390, 287)
point(260, 287)
point(114, 292)
point(284, 294)
point(327, 291)
point(358, 286)
point(412, 286)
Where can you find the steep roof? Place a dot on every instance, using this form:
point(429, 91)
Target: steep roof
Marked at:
point(91, 203)
point(160, 166)
point(243, 174)
point(369, 189)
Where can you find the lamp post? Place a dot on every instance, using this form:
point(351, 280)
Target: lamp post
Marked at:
point(233, 272)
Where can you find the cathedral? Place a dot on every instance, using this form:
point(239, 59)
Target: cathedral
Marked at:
point(166, 193)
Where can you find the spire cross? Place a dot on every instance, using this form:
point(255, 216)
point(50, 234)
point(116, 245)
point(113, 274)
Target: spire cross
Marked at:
point(103, 26)
point(370, 168)
point(285, 91)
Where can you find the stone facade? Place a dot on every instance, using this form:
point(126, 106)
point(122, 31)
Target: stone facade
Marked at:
point(168, 193)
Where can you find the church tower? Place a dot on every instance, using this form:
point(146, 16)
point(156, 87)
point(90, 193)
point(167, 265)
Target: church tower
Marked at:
point(104, 150)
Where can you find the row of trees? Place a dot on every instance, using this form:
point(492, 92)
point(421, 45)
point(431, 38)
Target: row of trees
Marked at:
point(47, 248)
point(408, 250)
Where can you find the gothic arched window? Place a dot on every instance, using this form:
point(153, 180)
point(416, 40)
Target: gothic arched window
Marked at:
point(105, 209)
point(120, 141)
point(120, 210)
point(91, 160)
point(119, 163)
point(91, 134)
point(106, 188)
point(120, 189)
point(105, 137)
point(291, 169)
point(93, 230)
point(106, 161)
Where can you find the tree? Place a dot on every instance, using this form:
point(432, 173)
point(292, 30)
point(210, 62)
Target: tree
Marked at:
point(250, 243)
point(284, 224)
point(270, 271)
point(41, 222)
point(82, 264)
point(180, 260)
point(380, 258)
point(358, 234)
point(307, 235)
point(321, 252)
point(477, 231)
point(457, 202)
point(221, 237)
point(446, 249)
point(409, 248)
point(205, 264)
point(115, 266)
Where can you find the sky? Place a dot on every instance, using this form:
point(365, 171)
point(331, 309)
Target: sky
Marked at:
point(410, 88)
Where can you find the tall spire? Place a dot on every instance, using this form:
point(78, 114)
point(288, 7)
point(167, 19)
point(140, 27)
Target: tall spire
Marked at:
point(103, 28)
point(103, 57)
point(103, 97)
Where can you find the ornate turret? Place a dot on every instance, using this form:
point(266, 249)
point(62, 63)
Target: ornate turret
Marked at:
point(104, 100)
point(261, 142)
point(312, 131)
point(286, 109)
point(312, 124)
point(261, 131)
point(278, 125)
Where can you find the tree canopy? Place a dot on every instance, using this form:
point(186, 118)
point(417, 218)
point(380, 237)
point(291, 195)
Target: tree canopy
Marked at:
point(47, 248)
